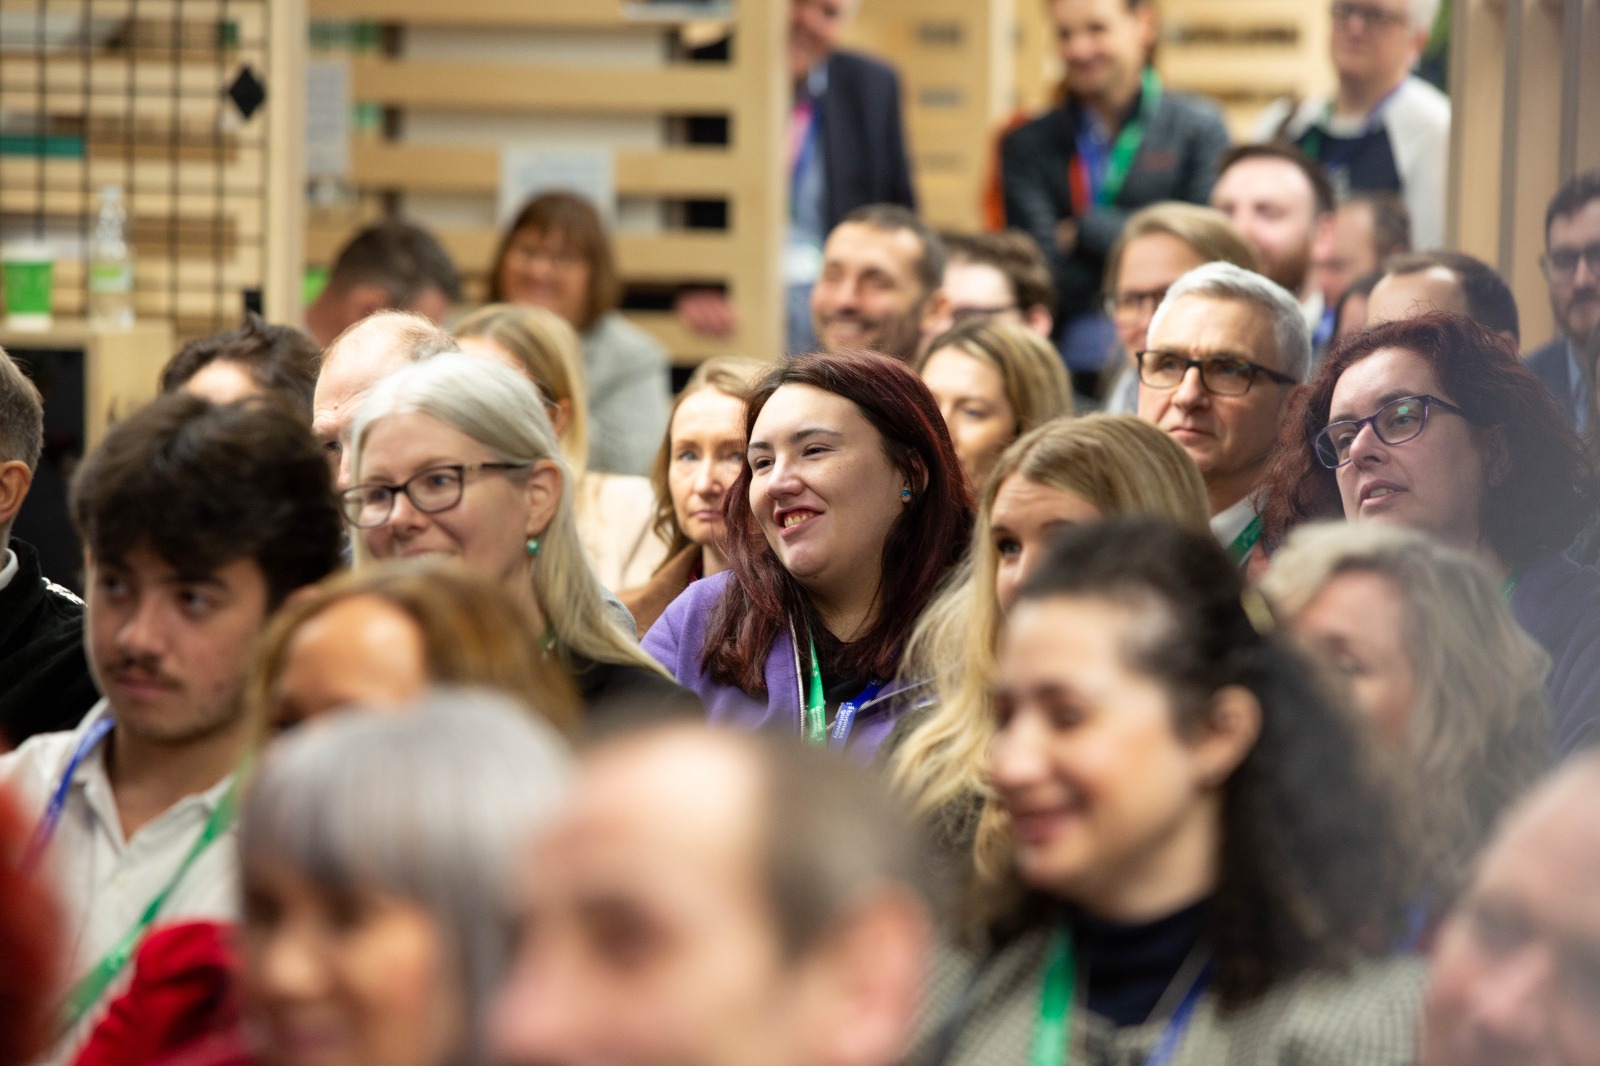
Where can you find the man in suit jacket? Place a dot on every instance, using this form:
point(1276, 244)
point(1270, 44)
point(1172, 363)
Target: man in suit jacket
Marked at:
point(1572, 269)
point(847, 149)
point(1067, 177)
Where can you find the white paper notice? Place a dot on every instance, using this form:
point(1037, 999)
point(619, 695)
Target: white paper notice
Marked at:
point(328, 118)
point(527, 170)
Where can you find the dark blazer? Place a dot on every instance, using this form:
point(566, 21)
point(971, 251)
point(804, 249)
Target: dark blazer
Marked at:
point(1550, 365)
point(45, 684)
point(863, 140)
point(1177, 161)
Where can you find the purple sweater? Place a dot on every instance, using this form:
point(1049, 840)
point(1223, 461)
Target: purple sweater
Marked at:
point(1557, 603)
point(679, 635)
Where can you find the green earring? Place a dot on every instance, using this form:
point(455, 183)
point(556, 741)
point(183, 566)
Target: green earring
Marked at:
point(533, 545)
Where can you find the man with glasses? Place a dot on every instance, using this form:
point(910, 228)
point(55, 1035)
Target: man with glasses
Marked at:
point(1572, 269)
point(1001, 276)
point(1225, 352)
point(1383, 129)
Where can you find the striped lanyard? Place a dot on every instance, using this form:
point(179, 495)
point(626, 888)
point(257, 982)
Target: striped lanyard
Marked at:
point(1092, 186)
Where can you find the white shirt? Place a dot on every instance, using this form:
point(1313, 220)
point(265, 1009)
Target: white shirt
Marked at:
point(105, 882)
point(1227, 524)
point(9, 571)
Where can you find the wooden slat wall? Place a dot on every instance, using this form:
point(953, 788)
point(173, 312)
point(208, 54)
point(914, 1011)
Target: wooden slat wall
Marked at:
point(390, 171)
point(955, 62)
point(1525, 84)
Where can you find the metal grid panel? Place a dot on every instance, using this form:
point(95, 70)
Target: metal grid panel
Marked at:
point(153, 96)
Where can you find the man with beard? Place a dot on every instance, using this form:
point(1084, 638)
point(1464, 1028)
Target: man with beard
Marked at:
point(882, 272)
point(1572, 269)
point(1283, 205)
point(197, 522)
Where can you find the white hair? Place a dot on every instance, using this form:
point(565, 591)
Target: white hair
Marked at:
point(432, 802)
point(1224, 281)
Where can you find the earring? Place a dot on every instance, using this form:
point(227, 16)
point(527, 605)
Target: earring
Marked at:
point(905, 494)
point(533, 545)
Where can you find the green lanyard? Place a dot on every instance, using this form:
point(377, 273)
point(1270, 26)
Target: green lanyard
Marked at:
point(1508, 588)
point(1245, 542)
point(815, 715)
point(1129, 140)
point(1053, 1034)
point(93, 985)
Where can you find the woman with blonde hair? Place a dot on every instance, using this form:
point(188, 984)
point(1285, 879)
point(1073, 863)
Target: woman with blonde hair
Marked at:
point(1063, 473)
point(994, 381)
point(384, 634)
point(699, 461)
point(1160, 244)
point(614, 510)
point(1436, 662)
point(454, 456)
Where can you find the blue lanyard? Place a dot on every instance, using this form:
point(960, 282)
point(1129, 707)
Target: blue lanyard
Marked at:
point(813, 713)
point(45, 831)
point(845, 720)
point(1052, 1036)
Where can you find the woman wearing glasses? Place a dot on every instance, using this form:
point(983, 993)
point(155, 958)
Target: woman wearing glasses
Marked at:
point(454, 457)
point(1433, 423)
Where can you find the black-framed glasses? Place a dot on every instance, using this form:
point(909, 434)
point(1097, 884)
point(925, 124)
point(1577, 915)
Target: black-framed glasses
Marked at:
point(1395, 423)
point(438, 488)
point(1563, 262)
point(1375, 17)
point(1220, 376)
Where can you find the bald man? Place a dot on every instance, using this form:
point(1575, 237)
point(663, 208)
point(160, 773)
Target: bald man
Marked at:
point(1516, 972)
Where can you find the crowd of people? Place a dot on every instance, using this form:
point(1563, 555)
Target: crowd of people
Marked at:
point(1163, 630)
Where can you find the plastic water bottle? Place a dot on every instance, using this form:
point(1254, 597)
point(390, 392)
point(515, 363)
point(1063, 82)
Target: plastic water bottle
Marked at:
point(111, 264)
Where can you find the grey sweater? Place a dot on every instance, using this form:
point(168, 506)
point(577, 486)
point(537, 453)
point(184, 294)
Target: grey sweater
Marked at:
point(630, 395)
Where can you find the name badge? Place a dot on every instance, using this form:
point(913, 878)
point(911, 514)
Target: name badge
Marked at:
point(802, 263)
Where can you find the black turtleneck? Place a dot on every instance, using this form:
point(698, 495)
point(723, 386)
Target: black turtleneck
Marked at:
point(1129, 967)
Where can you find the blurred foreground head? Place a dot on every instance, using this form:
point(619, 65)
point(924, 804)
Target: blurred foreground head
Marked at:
point(1516, 973)
point(718, 899)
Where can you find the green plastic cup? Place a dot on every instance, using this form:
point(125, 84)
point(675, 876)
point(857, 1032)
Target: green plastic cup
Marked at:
point(27, 278)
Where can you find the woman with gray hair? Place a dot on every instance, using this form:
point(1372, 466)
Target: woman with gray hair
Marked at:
point(377, 853)
point(1439, 667)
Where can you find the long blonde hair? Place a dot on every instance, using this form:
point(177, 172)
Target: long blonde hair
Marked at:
point(499, 408)
point(1123, 466)
point(550, 353)
point(728, 374)
point(1479, 730)
point(1031, 372)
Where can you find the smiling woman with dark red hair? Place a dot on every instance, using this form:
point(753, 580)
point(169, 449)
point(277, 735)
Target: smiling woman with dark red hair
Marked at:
point(849, 511)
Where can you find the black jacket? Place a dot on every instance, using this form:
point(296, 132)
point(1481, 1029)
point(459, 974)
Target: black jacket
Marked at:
point(863, 141)
point(1552, 366)
point(45, 683)
point(1177, 161)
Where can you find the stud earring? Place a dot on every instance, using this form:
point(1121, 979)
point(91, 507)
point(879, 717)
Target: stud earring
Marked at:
point(905, 494)
point(533, 545)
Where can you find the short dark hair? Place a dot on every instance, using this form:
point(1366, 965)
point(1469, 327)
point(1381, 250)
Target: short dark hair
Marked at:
point(203, 485)
point(923, 544)
point(1571, 198)
point(1549, 490)
point(1321, 188)
point(891, 218)
point(570, 218)
point(831, 831)
point(1014, 254)
point(1302, 883)
point(21, 415)
point(1391, 221)
point(281, 360)
point(401, 257)
point(1488, 297)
